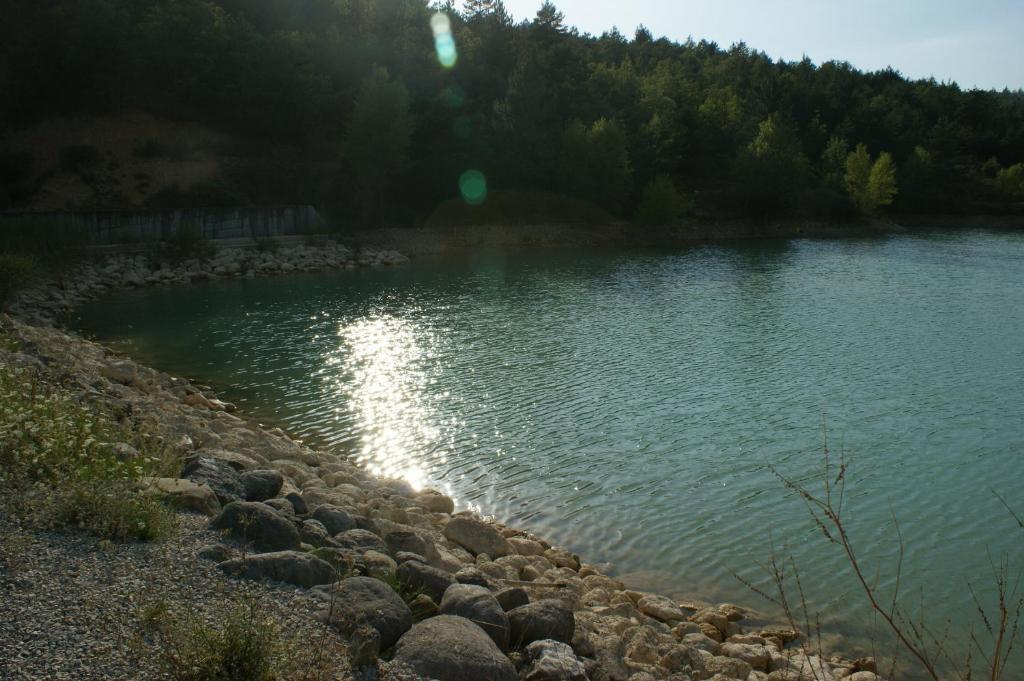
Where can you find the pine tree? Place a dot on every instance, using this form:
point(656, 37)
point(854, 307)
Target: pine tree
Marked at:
point(377, 141)
point(473, 9)
point(833, 162)
point(548, 17)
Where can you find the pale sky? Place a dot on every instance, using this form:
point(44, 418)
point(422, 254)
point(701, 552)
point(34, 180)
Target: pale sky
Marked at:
point(977, 43)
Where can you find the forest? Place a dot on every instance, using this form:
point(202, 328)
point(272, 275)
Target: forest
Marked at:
point(379, 111)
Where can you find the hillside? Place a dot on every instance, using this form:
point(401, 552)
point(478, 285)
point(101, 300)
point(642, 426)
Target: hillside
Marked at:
point(136, 159)
point(376, 110)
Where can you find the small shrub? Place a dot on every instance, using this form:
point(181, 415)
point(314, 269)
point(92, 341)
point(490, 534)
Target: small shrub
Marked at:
point(16, 271)
point(240, 649)
point(76, 158)
point(154, 615)
point(112, 510)
point(242, 644)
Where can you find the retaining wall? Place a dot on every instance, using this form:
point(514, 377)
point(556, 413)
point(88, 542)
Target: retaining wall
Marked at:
point(126, 227)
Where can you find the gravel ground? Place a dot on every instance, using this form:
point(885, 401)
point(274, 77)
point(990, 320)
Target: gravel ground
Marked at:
point(70, 605)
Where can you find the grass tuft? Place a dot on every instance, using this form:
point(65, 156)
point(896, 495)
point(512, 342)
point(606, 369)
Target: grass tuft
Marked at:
point(238, 643)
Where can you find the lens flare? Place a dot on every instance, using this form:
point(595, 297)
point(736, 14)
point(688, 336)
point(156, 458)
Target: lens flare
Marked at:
point(444, 41)
point(473, 187)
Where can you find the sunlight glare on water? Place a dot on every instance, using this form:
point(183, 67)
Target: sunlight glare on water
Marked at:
point(377, 373)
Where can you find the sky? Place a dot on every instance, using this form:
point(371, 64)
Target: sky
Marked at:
point(977, 43)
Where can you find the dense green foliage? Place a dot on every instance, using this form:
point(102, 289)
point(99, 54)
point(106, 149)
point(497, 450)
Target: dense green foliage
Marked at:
point(353, 111)
point(660, 203)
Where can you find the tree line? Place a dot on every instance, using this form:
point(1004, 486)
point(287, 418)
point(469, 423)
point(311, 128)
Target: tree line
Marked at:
point(371, 111)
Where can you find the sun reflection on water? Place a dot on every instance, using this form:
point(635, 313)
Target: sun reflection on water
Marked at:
point(383, 376)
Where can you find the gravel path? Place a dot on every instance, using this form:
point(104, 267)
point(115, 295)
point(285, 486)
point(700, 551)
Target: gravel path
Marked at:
point(71, 606)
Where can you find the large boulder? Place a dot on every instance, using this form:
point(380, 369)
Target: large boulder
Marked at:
point(297, 502)
point(435, 502)
point(477, 537)
point(512, 598)
point(345, 561)
point(365, 600)
point(259, 524)
point(261, 485)
point(477, 604)
point(183, 495)
point(757, 656)
point(448, 648)
point(218, 475)
point(119, 371)
point(421, 577)
point(334, 519)
point(360, 540)
point(314, 533)
point(292, 567)
point(660, 608)
point(399, 541)
point(709, 665)
point(552, 661)
point(380, 565)
point(545, 619)
point(472, 575)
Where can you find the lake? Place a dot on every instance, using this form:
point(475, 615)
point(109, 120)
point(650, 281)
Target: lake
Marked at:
point(629, 404)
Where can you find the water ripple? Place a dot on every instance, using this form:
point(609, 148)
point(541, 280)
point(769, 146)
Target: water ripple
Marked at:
point(629, 405)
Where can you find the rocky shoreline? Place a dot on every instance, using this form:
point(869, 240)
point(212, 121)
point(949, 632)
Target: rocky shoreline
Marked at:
point(411, 587)
point(52, 298)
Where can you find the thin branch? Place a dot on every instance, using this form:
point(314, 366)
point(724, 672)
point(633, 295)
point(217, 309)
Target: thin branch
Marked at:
point(1016, 517)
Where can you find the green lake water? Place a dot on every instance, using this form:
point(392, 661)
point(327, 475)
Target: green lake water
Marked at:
point(628, 405)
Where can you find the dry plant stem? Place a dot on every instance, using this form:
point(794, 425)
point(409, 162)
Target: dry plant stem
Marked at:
point(914, 636)
point(1020, 521)
point(824, 508)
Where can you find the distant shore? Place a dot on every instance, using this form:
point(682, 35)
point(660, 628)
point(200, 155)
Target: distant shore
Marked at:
point(435, 240)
